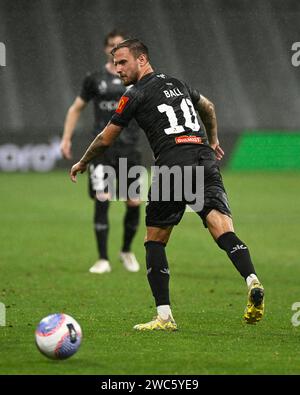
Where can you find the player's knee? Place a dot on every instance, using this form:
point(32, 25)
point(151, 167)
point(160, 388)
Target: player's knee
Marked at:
point(219, 223)
point(157, 239)
point(160, 235)
point(102, 196)
point(133, 203)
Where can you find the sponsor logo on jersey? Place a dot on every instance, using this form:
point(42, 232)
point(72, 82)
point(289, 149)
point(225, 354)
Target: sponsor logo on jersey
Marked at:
point(116, 81)
point(107, 105)
point(188, 140)
point(122, 103)
point(102, 87)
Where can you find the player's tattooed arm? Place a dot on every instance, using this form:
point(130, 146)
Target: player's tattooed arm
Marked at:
point(102, 141)
point(207, 113)
point(97, 148)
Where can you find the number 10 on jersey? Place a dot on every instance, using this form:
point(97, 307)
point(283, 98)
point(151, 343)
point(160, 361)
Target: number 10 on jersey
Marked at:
point(191, 120)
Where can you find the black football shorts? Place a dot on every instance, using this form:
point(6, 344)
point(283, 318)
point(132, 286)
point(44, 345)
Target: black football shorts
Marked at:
point(161, 213)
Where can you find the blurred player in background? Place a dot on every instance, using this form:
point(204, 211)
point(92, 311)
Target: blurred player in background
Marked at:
point(105, 88)
point(165, 108)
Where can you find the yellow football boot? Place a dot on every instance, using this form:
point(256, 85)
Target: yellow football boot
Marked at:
point(157, 324)
point(255, 306)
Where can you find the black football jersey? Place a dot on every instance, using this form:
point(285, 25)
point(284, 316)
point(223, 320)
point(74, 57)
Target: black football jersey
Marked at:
point(105, 90)
point(163, 107)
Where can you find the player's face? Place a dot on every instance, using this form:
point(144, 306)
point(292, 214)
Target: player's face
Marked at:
point(127, 66)
point(111, 43)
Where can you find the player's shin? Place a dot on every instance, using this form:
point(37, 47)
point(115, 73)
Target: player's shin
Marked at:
point(101, 227)
point(158, 276)
point(131, 222)
point(238, 253)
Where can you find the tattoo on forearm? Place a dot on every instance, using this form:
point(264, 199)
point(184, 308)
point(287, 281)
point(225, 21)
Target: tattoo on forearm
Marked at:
point(208, 115)
point(96, 148)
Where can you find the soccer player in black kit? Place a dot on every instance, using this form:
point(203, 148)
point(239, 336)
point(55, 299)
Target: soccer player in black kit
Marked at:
point(105, 88)
point(165, 108)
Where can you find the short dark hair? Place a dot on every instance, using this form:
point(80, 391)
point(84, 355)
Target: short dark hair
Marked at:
point(114, 33)
point(134, 45)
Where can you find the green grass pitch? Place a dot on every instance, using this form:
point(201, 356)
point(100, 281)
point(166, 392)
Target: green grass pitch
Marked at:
point(47, 246)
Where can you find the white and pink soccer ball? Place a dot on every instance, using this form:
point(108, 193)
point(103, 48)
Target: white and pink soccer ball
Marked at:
point(58, 336)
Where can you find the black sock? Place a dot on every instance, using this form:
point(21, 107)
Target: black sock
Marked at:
point(158, 271)
point(101, 227)
point(238, 253)
point(131, 222)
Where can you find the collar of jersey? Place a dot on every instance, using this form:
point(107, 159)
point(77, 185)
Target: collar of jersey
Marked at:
point(147, 76)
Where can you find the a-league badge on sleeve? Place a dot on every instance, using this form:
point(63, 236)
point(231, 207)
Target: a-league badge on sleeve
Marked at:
point(122, 103)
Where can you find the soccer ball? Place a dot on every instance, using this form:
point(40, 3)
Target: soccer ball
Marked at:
point(58, 336)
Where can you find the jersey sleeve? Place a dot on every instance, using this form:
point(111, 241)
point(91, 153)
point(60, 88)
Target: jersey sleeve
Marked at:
point(194, 93)
point(87, 91)
point(126, 109)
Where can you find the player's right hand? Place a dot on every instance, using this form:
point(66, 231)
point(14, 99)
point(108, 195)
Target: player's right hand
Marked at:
point(65, 148)
point(78, 167)
point(218, 150)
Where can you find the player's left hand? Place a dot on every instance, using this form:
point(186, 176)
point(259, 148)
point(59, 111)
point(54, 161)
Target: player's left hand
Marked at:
point(218, 151)
point(78, 167)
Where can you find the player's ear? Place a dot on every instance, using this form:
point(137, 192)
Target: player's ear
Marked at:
point(142, 59)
